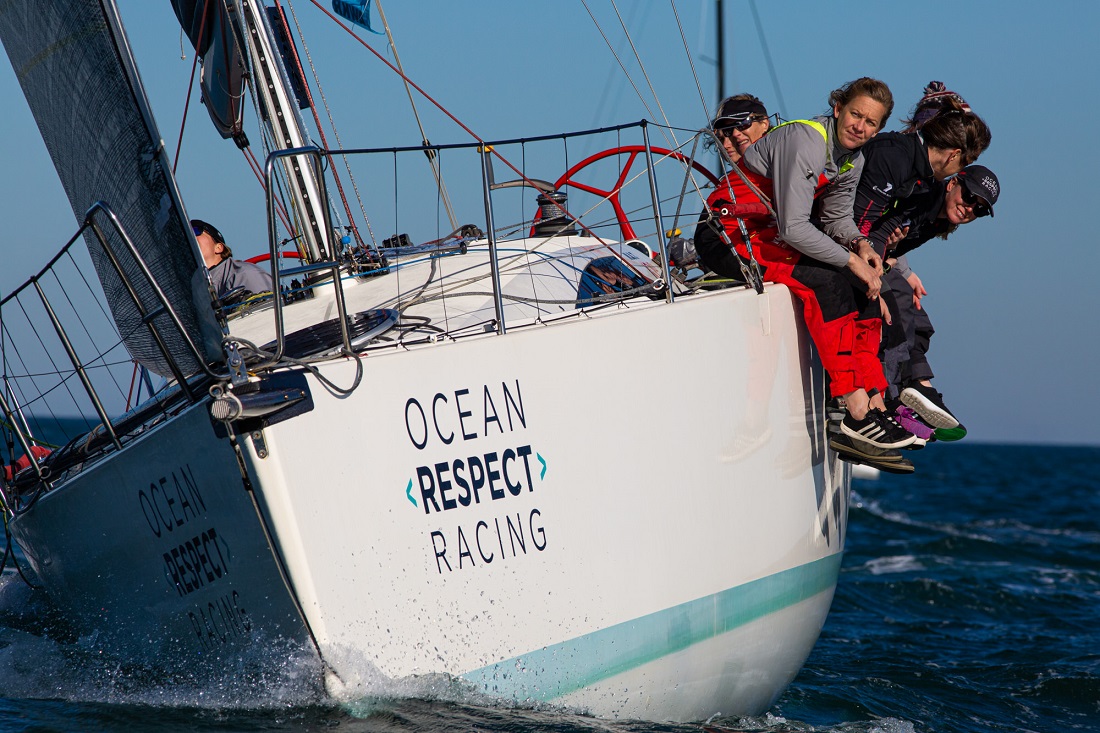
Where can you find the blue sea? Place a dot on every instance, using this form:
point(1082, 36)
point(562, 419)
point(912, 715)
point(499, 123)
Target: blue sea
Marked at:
point(969, 602)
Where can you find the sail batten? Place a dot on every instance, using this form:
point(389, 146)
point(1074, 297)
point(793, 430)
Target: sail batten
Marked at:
point(76, 70)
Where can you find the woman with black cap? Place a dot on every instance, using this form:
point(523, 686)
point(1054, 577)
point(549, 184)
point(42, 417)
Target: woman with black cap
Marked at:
point(741, 120)
point(226, 273)
point(964, 198)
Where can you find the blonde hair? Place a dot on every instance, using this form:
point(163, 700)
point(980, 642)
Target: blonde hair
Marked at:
point(864, 86)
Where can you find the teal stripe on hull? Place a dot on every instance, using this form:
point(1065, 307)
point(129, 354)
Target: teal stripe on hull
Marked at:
point(557, 670)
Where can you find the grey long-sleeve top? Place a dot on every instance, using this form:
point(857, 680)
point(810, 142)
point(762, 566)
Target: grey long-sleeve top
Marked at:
point(795, 156)
point(229, 274)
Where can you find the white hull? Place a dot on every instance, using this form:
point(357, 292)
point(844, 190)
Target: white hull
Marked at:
point(665, 540)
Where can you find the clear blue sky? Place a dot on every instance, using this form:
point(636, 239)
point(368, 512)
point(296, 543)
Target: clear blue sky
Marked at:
point(1016, 345)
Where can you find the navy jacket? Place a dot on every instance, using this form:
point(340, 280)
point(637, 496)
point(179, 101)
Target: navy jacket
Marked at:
point(895, 168)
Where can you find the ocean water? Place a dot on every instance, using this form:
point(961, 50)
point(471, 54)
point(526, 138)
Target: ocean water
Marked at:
point(969, 602)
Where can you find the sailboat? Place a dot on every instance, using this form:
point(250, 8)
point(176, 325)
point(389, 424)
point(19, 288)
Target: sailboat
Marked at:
point(534, 461)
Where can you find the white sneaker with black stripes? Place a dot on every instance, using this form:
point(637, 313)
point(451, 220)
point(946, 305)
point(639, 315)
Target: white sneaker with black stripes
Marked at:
point(877, 429)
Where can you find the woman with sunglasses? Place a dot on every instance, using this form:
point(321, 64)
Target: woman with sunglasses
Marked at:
point(797, 169)
point(226, 273)
point(968, 196)
point(741, 120)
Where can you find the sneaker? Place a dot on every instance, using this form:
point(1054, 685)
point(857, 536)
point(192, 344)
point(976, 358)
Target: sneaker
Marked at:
point(852, 451)
point(910, 420)
point(928, 403)
point(876, 429)
point(949, 434)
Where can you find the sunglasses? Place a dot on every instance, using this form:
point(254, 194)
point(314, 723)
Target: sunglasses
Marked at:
point(976, 203)
point(735, 125)
point(207, 229)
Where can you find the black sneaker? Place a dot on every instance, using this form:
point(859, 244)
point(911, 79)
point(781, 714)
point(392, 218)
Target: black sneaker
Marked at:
point(876, 429)
point(852, 451)
point(928, 403)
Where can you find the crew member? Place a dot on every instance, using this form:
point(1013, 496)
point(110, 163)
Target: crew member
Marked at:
point(226, 273)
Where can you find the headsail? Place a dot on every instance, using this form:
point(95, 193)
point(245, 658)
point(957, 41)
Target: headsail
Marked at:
point(74, 64)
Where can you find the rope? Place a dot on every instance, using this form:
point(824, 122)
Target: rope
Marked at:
point(133, 381)
point(249, 347)
point(30, 438)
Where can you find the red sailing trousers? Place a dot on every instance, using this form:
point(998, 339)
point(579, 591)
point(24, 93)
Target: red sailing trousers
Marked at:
point(845, 326)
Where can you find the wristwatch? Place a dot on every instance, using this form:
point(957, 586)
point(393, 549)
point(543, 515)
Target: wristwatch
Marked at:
point(854, 244)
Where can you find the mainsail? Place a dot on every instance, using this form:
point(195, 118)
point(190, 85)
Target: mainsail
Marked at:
point(74, 64)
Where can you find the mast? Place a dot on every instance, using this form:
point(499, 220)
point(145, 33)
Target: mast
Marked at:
point(279, 112)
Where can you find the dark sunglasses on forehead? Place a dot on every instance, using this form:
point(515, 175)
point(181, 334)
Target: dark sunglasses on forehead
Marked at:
point(977, 203)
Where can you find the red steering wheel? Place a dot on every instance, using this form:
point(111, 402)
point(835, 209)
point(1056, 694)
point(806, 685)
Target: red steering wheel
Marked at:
point(612, 195)
point(267, 256)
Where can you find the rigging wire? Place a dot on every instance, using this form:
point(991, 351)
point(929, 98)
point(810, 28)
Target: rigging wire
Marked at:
point(317, 117)
point(691, 62)
point(641, 66)
point(768, 57)
point(423, 135)
point(280, 207)
point(450, 115)
point(335, 130)
point(637, 91)
point(614, 84)
point(268, 25)
point(190, 87)
point(267, 143)
point(46, 351)
point(102, 356)
point(18, 391)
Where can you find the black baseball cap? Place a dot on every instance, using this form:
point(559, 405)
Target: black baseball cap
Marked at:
point(737, 111)
point(981, 181)
point(198, 226)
